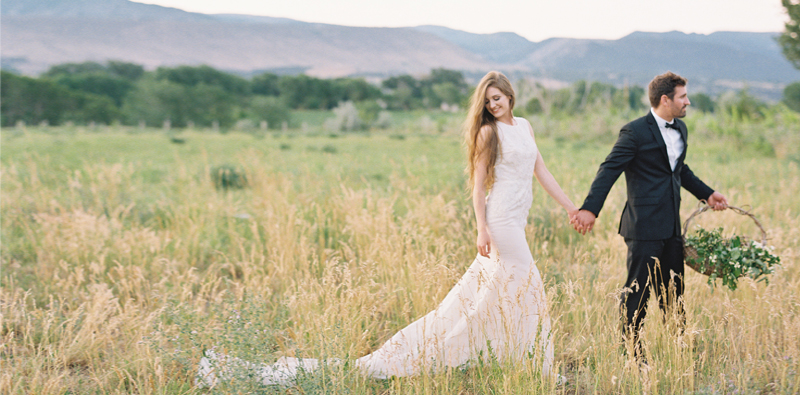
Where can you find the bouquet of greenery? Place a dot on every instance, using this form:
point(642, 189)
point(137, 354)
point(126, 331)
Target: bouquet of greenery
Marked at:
point(710, 253)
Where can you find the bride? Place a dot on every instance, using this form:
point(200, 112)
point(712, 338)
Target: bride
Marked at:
point(498, 309)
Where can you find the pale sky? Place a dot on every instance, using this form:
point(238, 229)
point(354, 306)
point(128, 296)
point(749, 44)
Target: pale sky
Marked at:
point(535, 20)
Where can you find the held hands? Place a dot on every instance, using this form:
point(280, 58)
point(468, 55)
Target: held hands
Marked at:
point(717, 201)
point(582, 221)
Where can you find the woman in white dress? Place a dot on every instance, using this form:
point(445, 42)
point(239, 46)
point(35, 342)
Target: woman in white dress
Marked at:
point(498, 309)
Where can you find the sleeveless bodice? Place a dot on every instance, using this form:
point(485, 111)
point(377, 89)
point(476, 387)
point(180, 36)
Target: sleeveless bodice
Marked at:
point(511, 195)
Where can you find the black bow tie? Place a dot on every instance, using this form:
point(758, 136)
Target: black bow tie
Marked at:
point(673, 125)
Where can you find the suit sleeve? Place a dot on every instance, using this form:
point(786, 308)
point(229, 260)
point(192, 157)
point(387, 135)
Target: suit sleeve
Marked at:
point(693, 184)
point(622, 153)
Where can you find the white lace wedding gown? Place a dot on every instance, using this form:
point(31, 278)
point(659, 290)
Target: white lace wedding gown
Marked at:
point(496, 310)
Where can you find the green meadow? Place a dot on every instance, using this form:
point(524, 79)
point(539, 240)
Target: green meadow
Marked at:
point(128, 251)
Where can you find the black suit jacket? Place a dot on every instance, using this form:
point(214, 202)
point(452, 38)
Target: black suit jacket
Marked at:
point(652, 211)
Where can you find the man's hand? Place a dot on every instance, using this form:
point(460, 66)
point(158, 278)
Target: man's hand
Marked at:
point(584, 221)
point(717, 201)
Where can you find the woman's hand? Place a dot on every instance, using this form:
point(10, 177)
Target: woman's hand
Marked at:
point(573, 215)
point(484, 243)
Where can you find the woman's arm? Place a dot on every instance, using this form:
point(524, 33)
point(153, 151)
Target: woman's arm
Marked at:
point(479, 194)
point(550, 184)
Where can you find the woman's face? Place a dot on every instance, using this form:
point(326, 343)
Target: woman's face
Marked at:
point(497, 103)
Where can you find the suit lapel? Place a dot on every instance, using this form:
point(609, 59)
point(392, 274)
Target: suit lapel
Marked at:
point(653, 125)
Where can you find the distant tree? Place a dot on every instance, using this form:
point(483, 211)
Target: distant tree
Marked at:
point(790, 38)
point(113, 80)
point(74, 68)
point(702, 102)
point(561, 100)
point(446, 93)
point(534, 106)
point(154, 101)
point(268, 108)
point(302, 91)
point(742, 105)
point(443, 76)
point(195, 75)
point(30, 100)
point(128, 71)
point(357, 89)
point(100, 83)
point(124, 70)
point(265, 84)
point(583, 96)
point(635, 95)
point(35, 100)
point(444, 86)
point(399, 81)
point(791, 96)
point(405, 92)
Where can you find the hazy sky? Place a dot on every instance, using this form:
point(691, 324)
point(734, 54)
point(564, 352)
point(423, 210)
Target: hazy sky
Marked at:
point(535, 20)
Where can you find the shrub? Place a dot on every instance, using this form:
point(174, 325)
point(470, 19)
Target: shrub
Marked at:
point(791, 96)
point(228, 177)
point(346, 118)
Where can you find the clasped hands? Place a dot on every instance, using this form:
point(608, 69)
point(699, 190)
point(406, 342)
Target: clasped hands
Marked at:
point(582, 220)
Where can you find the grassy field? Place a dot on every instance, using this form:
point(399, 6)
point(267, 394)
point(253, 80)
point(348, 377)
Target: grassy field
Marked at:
point(121, 260)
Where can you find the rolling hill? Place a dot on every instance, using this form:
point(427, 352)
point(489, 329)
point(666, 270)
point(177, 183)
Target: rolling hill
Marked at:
point(39, 33)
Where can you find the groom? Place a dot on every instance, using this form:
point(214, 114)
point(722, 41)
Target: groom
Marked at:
point(650, 151)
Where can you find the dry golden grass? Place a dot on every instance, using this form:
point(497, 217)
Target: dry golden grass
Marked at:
point(121, 262)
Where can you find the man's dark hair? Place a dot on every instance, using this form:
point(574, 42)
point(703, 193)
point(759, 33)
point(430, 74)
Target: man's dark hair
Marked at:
point(664, 84)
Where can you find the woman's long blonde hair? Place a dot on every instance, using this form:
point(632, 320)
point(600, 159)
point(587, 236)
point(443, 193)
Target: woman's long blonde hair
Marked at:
point(479, 116)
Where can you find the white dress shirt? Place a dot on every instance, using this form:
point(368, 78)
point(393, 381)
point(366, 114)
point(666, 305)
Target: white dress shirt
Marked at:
point(673, 139)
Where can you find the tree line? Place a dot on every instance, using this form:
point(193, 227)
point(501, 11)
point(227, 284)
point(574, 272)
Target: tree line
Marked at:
point(203, 96)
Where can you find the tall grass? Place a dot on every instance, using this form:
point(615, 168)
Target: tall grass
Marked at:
point(121, 261)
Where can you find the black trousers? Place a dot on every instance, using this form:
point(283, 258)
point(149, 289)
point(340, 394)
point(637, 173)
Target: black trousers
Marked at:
point(665, 278)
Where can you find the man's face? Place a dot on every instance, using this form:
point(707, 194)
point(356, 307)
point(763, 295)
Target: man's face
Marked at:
point(677, 105)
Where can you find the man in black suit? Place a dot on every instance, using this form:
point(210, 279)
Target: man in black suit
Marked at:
point(650, 151)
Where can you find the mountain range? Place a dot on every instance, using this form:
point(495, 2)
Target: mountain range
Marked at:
point(39, 33)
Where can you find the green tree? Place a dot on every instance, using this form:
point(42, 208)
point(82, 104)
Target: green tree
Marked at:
point(302, 91)
point(113, 80)
point(74, 68)
point(444, 86)
point(534, 106)
point(268, 108)
point(155, 101)
point(128, 71)
point(442, 76)
point(196, 75)
point(791, 96)
point(790, 38)
point(99, 83)
point(357, 89)
point(405, 92)
point(702, 102)
point(35, 100)
point(265, 84)
point(742, 105)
